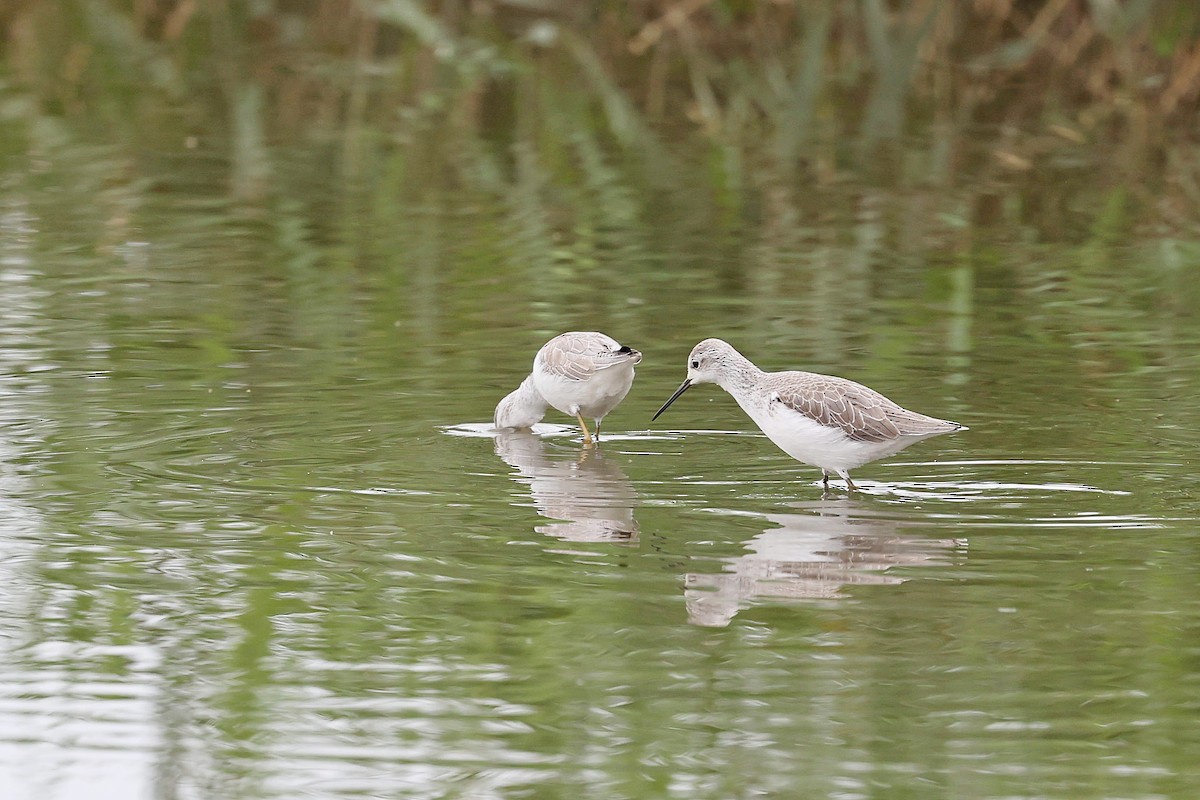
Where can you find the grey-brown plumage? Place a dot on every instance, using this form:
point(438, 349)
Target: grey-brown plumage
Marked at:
point(862, 413)
point(829, 422)
point(578, 356)
point(580, 373)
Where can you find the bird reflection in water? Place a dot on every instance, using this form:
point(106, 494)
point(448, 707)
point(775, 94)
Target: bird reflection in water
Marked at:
point(811, 555)
point(586, 495)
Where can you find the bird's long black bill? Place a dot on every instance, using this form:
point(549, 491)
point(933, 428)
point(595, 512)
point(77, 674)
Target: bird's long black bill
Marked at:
point(683, 387)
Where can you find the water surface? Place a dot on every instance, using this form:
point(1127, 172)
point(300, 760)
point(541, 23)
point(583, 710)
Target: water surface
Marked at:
point(259, 541)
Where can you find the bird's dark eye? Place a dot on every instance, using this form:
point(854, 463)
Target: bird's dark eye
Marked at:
point(695, 364)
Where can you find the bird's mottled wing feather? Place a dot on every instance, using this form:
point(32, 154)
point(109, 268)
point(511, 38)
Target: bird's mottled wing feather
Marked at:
point(862, 413)
point(579, 357)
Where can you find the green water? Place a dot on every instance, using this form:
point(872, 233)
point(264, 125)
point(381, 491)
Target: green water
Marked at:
point(259, 541)
point(267, 267)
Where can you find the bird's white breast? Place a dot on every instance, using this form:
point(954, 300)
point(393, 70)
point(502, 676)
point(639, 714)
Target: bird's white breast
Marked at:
point(594, 397)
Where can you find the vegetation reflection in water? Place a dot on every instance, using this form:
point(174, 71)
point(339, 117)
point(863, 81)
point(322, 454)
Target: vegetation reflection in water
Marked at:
point(256, 556)
point(255, 265)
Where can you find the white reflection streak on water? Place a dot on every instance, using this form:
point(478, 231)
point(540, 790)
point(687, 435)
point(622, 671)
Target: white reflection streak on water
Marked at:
point(588, 496)
point(63, 733)
point(809, 556)
point(389, 744)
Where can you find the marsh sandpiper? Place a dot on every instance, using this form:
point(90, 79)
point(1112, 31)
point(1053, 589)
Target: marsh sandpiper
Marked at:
point(580, 373)
point(827, 422)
